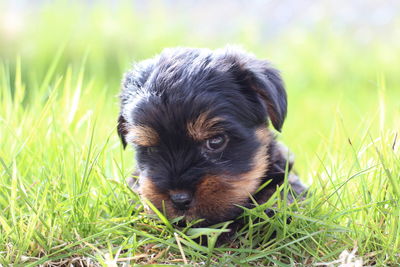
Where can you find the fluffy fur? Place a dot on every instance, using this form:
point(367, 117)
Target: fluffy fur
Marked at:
point(176, 104)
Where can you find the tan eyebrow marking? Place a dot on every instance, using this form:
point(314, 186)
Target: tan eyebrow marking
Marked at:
point(203, 128)
point(142, 135)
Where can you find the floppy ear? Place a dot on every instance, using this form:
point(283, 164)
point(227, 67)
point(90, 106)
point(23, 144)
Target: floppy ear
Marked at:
point(121, 128)
point(132, 90)
point(262, 78)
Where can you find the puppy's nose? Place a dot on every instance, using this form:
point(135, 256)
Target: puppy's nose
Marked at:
point(181, 200)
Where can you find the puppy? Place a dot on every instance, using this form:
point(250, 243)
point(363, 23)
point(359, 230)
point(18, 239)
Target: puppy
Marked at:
point(198, 121)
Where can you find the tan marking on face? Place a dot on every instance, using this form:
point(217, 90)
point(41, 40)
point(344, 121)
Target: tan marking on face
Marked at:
point(161, 201)
point(249, 182)
point(204, 127)
point(213, 199)
point(142, 135)
point(216, 197)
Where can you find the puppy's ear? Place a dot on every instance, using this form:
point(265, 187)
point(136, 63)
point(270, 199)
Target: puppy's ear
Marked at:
point(260, 77)
point(131, 92)
point(121, 128)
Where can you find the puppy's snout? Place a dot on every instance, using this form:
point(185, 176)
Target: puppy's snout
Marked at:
point(181, 200)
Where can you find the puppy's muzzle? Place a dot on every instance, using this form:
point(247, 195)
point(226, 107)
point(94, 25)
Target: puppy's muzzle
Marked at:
point(181, 200)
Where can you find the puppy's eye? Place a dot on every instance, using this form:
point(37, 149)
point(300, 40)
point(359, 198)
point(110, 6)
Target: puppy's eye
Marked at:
point(216, 143)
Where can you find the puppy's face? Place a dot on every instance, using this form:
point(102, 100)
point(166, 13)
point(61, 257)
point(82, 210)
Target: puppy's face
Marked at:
point(197, 119)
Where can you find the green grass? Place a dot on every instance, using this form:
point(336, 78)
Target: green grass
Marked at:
point(63, 195)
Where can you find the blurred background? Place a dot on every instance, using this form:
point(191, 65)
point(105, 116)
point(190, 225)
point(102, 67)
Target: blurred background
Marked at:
point(340, 59)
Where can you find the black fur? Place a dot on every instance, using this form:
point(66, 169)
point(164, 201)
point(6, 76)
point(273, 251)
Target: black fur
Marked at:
point(169, 91)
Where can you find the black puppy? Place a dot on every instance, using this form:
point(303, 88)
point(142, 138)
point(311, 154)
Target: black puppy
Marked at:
point(198, 120)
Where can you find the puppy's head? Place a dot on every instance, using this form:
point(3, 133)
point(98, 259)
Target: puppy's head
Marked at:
point(197, 119)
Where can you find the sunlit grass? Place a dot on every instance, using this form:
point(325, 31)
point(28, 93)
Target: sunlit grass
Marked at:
point(63, 194)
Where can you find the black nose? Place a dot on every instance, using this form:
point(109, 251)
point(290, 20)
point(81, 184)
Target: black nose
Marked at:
point(181, 200)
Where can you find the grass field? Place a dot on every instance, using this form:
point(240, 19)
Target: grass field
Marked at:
point(63, 196)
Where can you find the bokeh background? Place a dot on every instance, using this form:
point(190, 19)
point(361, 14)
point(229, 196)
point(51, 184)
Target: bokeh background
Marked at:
point(340, 59)
point(63, 194)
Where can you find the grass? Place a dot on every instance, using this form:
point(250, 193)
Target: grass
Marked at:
point(63, 195)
